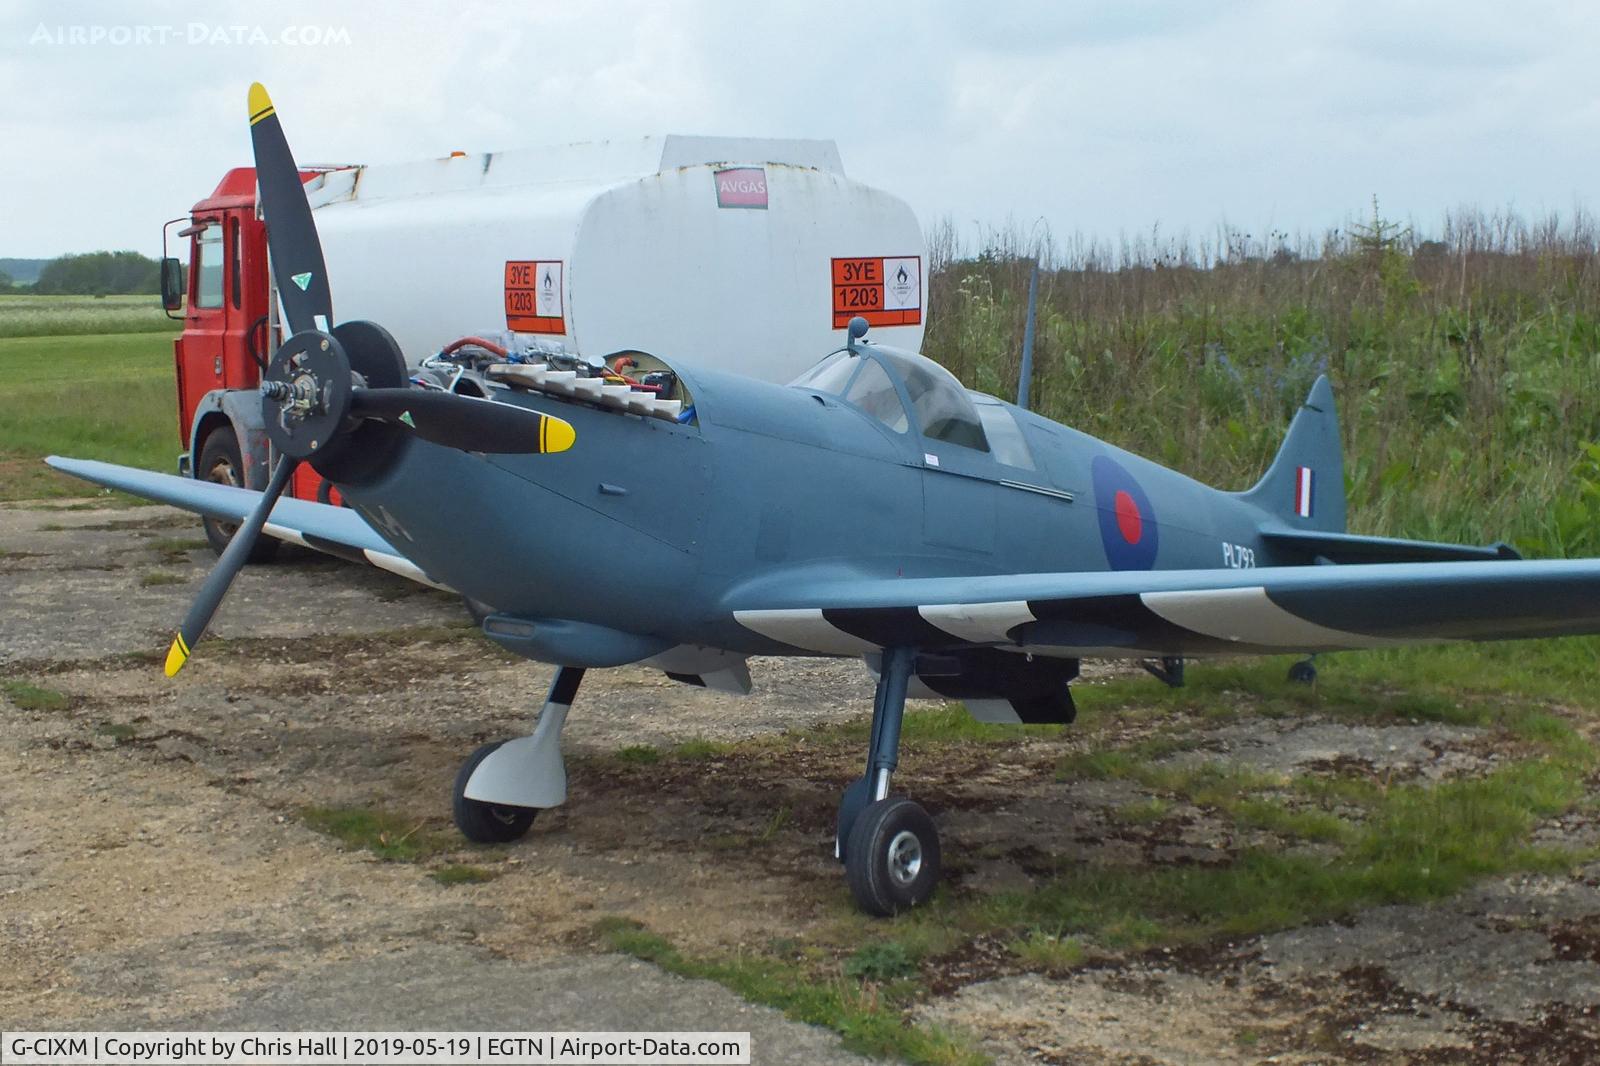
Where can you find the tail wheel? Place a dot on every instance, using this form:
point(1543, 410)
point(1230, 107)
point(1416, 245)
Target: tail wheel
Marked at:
point(486, 823)
point(220, 462)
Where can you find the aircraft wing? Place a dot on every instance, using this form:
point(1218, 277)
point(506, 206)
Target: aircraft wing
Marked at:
point(1178, 612)
point(335, 530)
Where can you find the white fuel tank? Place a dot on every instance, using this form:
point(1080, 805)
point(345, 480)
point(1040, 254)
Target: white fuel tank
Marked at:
point(748, 255)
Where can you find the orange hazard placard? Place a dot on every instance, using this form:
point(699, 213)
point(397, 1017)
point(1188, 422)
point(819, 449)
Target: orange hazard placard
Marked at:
point(535, 296)
point(884, 290)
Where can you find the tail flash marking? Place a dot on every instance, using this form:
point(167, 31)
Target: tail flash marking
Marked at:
point(1302, 492)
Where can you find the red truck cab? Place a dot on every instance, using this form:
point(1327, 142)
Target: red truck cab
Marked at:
point(229, 330)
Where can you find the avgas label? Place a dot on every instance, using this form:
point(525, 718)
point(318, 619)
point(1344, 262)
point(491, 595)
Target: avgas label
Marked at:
point(535, 296)
point(884, 290)
point(742, 187)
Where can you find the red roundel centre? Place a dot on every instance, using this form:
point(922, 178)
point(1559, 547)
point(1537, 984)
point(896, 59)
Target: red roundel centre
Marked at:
point(1129, 521)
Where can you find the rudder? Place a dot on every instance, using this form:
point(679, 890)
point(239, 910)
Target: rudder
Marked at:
point(1304, 486)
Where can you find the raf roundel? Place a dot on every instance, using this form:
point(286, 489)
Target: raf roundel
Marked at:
point(1130, 523)
point(1128, 529)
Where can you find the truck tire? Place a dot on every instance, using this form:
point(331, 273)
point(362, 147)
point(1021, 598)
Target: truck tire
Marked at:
point(220, 462)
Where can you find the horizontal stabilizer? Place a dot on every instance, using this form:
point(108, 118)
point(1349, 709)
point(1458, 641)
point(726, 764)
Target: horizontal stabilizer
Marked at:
point(1350, 548)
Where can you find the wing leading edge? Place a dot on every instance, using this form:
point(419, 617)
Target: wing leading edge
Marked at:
point(1180, 612)
point(335, 530)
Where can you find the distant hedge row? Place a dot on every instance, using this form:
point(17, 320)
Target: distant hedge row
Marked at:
point(94, 274)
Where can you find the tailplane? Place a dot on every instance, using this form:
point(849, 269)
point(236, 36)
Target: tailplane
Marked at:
point(1304, 486)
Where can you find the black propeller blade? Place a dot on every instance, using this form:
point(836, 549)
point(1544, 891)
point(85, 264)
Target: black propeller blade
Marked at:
point(222, 575)
point(297, 264)
point(465, 422)
point(309, 396)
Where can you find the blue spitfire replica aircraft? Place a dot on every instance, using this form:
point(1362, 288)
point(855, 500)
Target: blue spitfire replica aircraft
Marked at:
point(873, 508)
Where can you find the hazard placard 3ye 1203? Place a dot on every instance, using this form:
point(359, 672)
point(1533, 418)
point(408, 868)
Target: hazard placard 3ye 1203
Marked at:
point(535, 296)
point(884, 290)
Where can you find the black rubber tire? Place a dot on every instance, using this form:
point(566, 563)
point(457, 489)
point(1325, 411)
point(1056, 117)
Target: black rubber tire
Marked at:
point(486, 823)
point(1303, 672)
point(220, 462)
point(878, 829)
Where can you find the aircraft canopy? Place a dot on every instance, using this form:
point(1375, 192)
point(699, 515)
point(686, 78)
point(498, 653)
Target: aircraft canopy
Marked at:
point(900, 388)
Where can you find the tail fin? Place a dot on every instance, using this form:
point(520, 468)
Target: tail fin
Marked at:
point(1304, 486)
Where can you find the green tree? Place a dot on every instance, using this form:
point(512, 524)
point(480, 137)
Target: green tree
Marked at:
point(100, 273)
point(1381, 246)
point(1379, 237)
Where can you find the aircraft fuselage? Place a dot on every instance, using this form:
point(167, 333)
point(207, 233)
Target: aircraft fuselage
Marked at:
point(648, 525)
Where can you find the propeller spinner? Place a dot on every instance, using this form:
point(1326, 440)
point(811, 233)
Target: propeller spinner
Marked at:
point(310, 399)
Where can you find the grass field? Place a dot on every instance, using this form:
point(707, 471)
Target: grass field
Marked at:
point(105, 396)
point(48, 316)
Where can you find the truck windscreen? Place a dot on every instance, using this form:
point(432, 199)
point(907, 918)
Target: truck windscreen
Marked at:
point(208, 263)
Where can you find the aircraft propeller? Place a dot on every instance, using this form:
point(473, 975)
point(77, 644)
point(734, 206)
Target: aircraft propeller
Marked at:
point(310, 398)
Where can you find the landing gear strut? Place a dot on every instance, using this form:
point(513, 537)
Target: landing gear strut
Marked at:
point(1168, 670)
point(503, 786)
point(888, 844)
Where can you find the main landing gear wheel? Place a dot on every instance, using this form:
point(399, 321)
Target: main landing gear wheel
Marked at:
point(892, 858)
point(486, 823)
point(889, 846)
point(1303, 672)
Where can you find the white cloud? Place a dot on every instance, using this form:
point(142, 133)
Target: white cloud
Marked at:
point(1096, 118)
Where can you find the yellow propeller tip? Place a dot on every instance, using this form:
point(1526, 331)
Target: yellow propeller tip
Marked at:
point(556, 435)
point(260, 102)
point(177, 655)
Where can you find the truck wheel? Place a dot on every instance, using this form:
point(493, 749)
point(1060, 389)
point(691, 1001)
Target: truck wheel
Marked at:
point(220, 462)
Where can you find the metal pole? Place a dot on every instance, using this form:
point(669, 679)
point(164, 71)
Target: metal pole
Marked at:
point(1026, 376)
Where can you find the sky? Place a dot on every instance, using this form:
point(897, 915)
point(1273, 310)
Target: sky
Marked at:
point(1117, 118)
